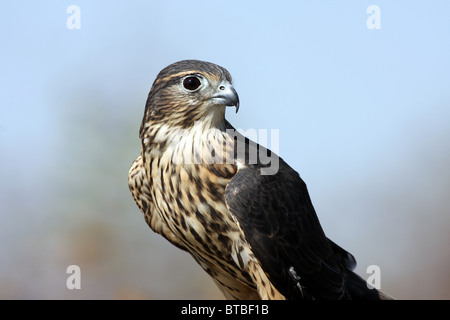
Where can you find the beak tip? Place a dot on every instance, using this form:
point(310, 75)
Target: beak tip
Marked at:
point(227, 95)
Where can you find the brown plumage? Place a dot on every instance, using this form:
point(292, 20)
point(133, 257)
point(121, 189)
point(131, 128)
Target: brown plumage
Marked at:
point(208, 190)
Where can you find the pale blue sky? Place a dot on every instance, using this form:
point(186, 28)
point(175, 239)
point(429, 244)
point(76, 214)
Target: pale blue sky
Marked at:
point(312, 70)
point(359, 111)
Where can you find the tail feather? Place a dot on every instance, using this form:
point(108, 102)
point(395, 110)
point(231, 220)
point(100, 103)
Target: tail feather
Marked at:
point(356, 286)
point(358, 289)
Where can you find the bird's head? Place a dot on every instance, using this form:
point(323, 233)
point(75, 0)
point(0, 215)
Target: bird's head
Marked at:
point(189, 91)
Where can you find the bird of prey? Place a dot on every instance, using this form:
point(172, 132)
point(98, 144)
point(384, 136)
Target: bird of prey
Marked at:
point(243, 213)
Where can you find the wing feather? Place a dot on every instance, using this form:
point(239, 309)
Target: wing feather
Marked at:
point(279, 221)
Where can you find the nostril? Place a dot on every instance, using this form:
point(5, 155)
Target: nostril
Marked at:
point(222, 87)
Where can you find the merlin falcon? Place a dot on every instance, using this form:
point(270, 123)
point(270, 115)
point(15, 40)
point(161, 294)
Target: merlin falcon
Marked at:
point(243, 214)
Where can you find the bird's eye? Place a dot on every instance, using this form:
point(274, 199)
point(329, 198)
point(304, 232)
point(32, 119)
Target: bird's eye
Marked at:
point(191, 83)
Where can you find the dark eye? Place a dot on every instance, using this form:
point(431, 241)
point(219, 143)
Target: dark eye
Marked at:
point(191, 83)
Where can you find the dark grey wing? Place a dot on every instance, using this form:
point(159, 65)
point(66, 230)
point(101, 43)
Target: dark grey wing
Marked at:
point(279, 221)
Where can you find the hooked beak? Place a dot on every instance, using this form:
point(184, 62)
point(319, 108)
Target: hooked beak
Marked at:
point(226, 95)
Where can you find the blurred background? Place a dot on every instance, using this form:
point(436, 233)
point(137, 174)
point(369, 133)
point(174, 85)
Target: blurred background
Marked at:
point(363, 115)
